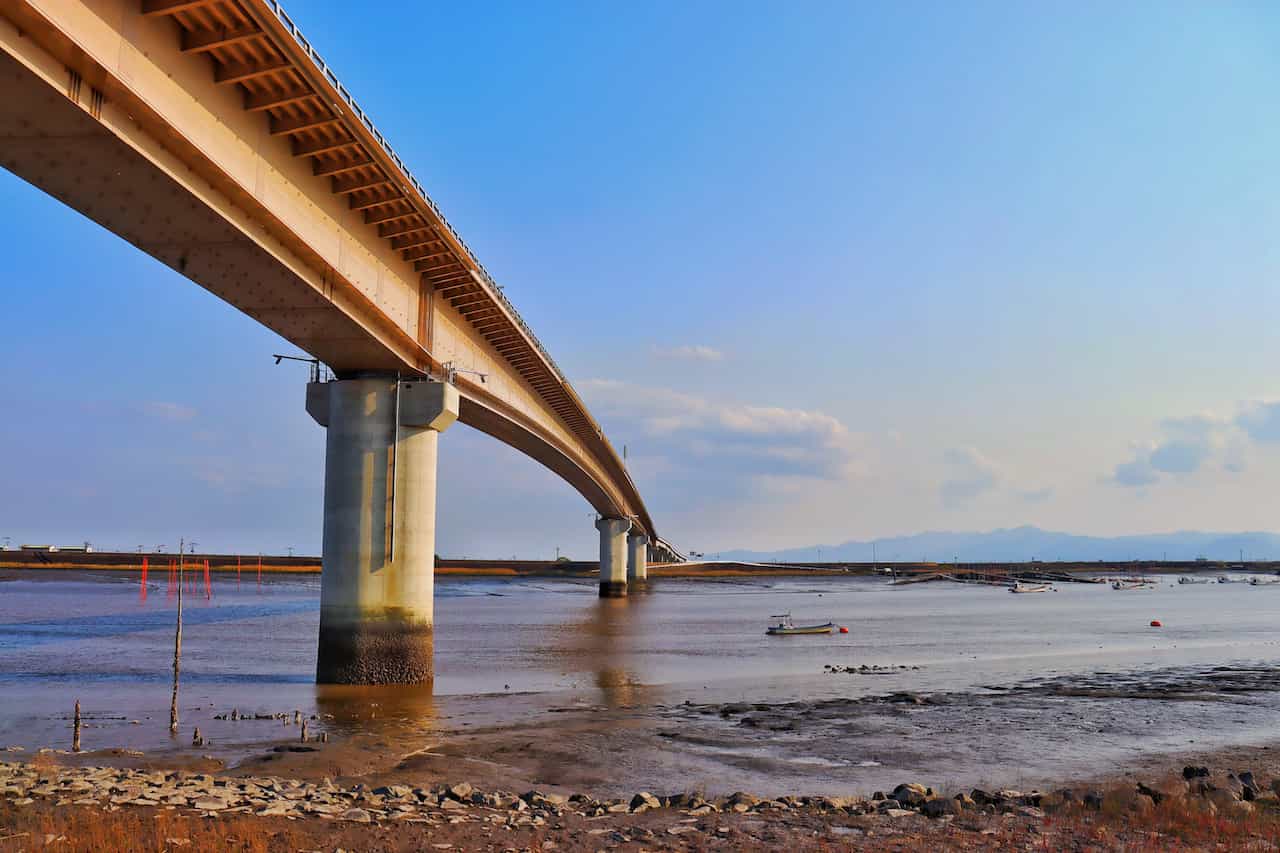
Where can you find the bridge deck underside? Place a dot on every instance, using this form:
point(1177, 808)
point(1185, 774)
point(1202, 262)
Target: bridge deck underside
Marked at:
point(123, 156)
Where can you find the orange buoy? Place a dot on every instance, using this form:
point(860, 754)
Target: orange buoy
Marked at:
point(844, 630)
point(1156, 623)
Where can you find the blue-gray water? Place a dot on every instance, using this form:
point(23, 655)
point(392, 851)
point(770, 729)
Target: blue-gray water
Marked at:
point(1003, 670)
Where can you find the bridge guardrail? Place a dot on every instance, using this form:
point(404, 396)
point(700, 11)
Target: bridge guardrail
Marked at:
point(350, 101)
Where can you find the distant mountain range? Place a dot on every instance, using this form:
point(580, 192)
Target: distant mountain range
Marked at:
point(1031, 543)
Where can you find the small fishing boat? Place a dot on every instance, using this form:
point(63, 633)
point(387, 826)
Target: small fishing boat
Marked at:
point(1020, 587)
point(1264, 581)
point(1130, 583)
point(1186, 580)
point(787, 628)
point(1226, 579)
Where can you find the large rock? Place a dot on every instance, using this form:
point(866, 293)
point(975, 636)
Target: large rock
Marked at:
point(644, 801)
point(911, 794)
point(940, 807)
point(209, 804)
point(1250, 789)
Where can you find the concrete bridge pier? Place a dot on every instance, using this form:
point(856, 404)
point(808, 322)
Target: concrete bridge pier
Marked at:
point(613, 556)
point(378, 555)
point(637, 559)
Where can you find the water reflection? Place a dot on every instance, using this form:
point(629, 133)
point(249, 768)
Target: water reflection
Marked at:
point(400, 709)
point(605, 647)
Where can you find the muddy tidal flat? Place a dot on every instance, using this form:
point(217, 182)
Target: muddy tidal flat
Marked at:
point(543, 687)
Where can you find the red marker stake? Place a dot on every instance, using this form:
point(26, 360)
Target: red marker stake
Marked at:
point(259, 573)
point(237, 573)
point(208, 587)
point(142, 589)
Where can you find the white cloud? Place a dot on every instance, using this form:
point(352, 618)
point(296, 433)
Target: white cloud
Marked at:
point(971, 475)
point(1188, 444)
point(1135, 472)
point(1261, 421)
point(692, 434)
point(690, 352)
point(1180, 456)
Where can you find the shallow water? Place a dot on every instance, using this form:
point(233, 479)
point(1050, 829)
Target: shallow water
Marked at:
point(1001, 672)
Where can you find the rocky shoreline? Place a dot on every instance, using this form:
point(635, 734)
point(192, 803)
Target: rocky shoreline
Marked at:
point(686, 820)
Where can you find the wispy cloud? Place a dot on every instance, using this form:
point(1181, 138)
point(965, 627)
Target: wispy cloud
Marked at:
point(1136, 472)
point(689, 352)
point(1036, 496)
point(970, 475)
point(725, 440)
point(1189, 444)
point(1261, 421)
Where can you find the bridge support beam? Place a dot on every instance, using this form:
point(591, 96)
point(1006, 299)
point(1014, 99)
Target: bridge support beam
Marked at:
point(378, 557)
point(637, 559)
point(613, 556)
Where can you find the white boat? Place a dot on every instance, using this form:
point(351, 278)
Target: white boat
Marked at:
point(787, 628)
point(1130, 583)
point(1264, 581)
point(1225, 579)
point(1021, 587)
point(1186, 580)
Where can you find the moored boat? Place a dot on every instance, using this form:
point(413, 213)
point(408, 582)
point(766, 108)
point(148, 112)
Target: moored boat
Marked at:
point(1185, 580)
point(1021, 587)
point(1131, 583)
point(787, 628)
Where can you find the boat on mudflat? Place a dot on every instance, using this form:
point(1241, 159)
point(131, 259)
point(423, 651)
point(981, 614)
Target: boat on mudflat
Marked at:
point(1021, 587)
point(1132, 583)
point(787, 628)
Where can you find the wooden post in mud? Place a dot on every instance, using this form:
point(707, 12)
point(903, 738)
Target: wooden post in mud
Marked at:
point(177, 644)
point(75, 730)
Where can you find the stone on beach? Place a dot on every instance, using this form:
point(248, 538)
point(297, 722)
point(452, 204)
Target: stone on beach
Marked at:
point(644, 801)
point(911, 794)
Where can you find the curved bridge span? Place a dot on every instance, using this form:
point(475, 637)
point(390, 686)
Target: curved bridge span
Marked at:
point(211, 135)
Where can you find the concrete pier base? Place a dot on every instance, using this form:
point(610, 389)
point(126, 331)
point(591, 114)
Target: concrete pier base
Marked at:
point(613, 556)
point(378, 557)
point(637, 560)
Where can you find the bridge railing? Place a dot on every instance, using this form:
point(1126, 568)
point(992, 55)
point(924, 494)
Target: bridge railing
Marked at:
point(329, 75)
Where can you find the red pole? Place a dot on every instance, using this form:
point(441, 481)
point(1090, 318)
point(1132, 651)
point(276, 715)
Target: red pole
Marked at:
point(237, 572)
point(259, 573)
point(208, 587)
point(142, 589)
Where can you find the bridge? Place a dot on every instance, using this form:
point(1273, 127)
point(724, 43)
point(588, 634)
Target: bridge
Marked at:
point(212, 136)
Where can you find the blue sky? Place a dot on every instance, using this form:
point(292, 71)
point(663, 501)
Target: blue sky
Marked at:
point(829, 271)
